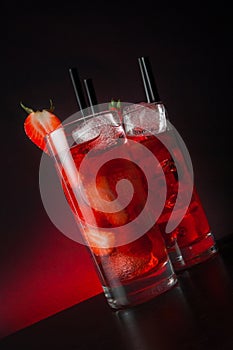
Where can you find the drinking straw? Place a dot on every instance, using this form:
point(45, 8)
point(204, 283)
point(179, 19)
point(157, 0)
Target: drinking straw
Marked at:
point(150, 88)
point(78, 89)
point(91, 96)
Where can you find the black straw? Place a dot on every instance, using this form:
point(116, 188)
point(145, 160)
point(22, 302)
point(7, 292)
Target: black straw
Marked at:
point(91, 96)
point(151, 91)
point(78, 89)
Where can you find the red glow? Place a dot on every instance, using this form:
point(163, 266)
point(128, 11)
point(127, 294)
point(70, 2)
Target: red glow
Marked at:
point(49, 274)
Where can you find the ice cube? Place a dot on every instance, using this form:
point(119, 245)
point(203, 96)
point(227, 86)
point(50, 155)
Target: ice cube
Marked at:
point(149, 118)
point(85, 132)
point(100, 241)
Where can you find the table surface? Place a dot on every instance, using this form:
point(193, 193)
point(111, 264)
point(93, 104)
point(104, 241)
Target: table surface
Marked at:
point(195, 314)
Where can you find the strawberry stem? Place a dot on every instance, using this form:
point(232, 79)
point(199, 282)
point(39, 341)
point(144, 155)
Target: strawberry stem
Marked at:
point(51, 107)
point(30, 110)
point(118, 104)
point(27, 109)
point(114, 104)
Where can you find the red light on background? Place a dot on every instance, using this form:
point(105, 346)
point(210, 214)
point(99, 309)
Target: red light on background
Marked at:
point(49, 273)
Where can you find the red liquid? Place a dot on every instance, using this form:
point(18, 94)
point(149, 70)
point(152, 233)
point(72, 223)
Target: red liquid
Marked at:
point(194, 227)
point(117, 265)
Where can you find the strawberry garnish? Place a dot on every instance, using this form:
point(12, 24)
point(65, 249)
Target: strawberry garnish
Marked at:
point(116, 106)
point(40, 123)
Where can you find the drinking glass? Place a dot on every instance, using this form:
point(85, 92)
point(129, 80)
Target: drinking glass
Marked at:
point(191, 241)
point(107, 194)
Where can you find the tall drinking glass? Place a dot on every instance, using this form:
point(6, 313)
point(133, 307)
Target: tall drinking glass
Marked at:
point(107, 194)
point(191, 241)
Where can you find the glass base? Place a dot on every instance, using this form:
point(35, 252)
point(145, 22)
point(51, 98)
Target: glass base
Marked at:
point(196, 253)
point(142, 290)
point(176, 257)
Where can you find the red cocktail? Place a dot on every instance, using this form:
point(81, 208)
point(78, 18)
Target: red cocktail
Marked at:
point(191, 241)
point(93, 158)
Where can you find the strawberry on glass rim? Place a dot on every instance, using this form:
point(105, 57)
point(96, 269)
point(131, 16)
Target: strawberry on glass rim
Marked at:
point(116, 106)
point(40, 123)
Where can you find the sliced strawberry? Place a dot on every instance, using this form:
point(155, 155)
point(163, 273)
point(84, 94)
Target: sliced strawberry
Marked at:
point(38, 124)
point(97, 199)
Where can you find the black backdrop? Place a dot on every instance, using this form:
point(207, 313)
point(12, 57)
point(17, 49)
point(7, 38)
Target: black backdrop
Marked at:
point(190, 48)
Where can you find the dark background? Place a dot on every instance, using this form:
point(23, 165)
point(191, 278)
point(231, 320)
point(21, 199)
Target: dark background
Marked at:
point(190, 48)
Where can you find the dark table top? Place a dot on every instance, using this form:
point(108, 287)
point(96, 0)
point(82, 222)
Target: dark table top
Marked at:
point(196, 314)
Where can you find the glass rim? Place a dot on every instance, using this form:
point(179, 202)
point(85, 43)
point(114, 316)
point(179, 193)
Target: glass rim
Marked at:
point(136, 106)
point(83, 119)
point(65, 126)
